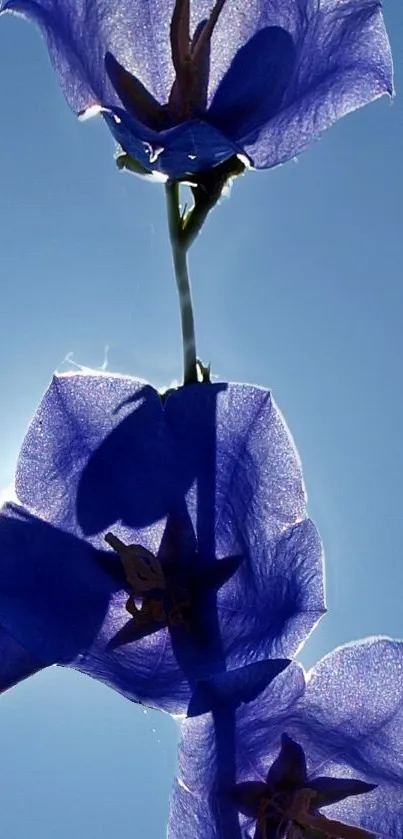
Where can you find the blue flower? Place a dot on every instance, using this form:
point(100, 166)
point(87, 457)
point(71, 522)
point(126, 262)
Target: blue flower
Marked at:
point(313, 757)
point(185, 89)
point(157, 540)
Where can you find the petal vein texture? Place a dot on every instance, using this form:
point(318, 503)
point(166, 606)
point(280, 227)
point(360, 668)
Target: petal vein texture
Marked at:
point(200, 491)
point(271, 77)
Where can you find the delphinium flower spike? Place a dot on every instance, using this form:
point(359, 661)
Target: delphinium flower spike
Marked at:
point(317, 756)
point(156, 539)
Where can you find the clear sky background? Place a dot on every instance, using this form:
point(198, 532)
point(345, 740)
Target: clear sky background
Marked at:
point(298, 286)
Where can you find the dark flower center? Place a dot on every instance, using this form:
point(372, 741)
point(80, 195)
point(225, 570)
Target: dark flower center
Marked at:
point(190, 59)
point(288, 804)
point(298, 821)
point(154, 598)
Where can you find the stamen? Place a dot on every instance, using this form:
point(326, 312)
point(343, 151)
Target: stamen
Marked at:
point(180, 35)
point(133, 95)
point(180, 95)
point(144, 573)
point(187, 94)
point(143, 570)
point(205, 36)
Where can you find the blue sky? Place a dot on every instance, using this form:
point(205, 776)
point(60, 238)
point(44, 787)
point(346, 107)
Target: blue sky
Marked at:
point(298, 286)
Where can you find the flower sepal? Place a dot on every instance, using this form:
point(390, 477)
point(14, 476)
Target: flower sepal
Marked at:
point(126, 161)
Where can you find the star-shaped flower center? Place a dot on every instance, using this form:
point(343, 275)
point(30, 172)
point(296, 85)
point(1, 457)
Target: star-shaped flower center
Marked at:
point(168, 590)
point(154, 598)
point(287, 805)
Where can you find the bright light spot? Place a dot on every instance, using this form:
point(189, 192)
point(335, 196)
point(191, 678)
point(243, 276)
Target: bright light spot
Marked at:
point(92, 111)
point(156, 177)
point(153, 153)
point(245, 160)
point(183, 785)
point(189, 183)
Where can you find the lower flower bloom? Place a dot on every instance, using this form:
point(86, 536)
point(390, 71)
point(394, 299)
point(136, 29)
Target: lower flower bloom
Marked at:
point(312, 757)
point(157, 540)
point(288, 802)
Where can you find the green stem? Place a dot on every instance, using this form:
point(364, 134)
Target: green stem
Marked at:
point(193, 225)
point(179, 256)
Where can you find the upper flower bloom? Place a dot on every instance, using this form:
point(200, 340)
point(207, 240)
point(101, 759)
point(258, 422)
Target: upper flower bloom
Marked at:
point(185, 87)
point(314, 757)
point(159, 540)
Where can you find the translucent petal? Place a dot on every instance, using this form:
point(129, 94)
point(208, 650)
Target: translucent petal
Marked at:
point(79, 33)
point(348, 720)
point(54, 592)
point(223, 748)
point(343, 61)
point(106, 454)
point(278, 75)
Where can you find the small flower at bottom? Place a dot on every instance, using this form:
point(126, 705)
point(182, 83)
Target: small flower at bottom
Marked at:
point(157, 539)
point(288, 802)
point(314, 756)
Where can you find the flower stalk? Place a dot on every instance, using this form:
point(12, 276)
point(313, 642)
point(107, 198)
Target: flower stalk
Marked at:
point(179, 257)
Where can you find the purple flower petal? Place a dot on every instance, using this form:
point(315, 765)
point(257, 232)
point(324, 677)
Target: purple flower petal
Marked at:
point(276, 76)
point(79, 33)
point(190, 147)
point(343, 62)
point(94, 441)
point(230, 689)
point(245, 101)
point(97, 439)
point(209, 482)
point(348, 719)
point(54, 590)
point(205, 775)
point(16, 663)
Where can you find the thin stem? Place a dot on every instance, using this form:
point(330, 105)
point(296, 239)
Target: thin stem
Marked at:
point(179, 256)
point(193, 225)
